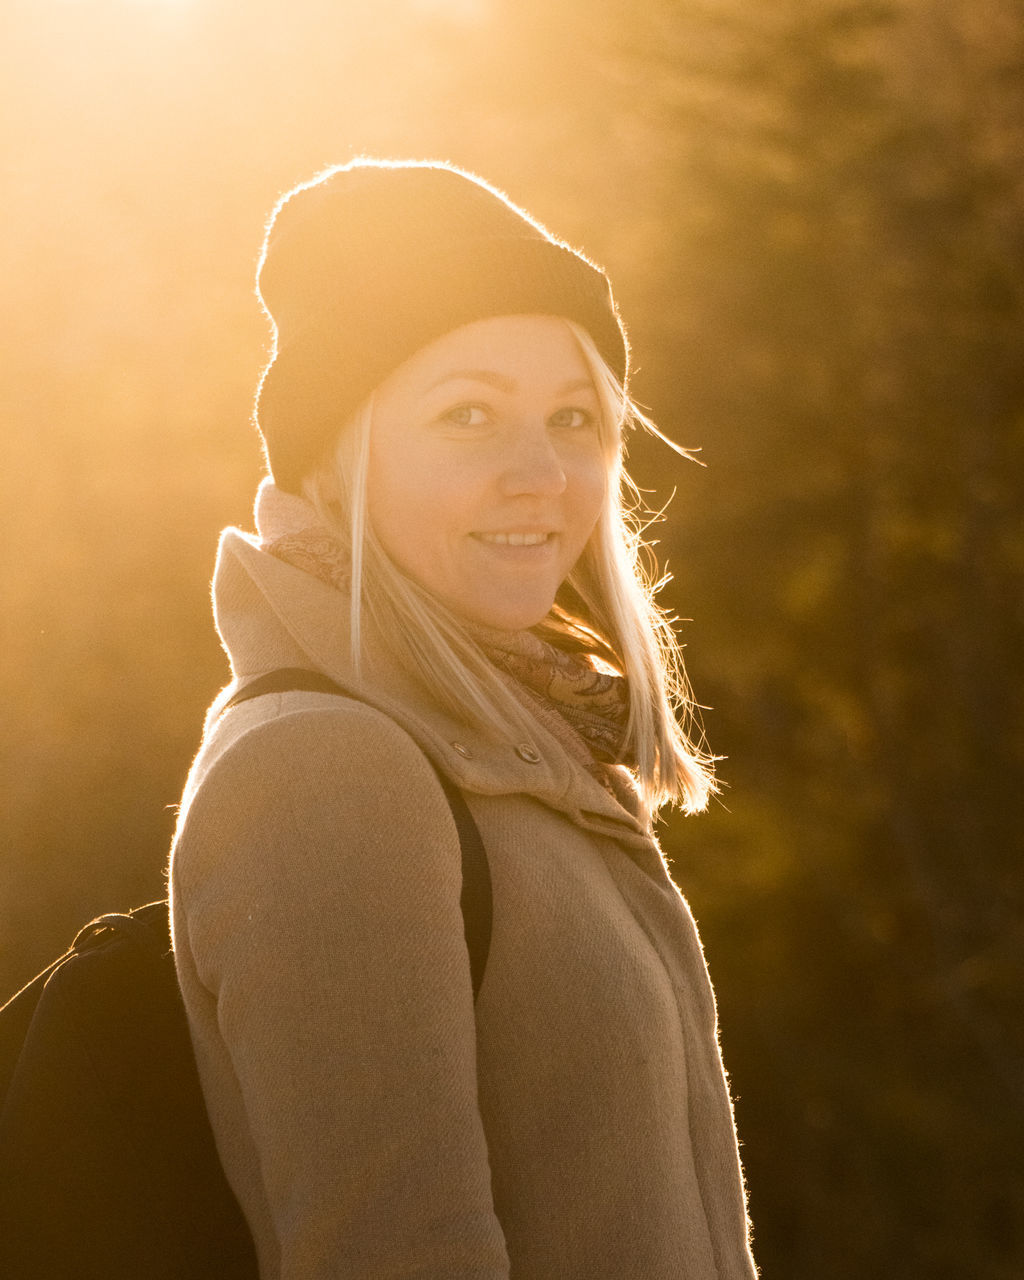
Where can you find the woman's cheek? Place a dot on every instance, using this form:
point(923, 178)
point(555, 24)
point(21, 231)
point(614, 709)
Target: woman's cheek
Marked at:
point(596, 493)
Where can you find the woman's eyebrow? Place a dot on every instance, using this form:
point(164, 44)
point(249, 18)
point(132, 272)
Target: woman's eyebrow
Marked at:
point(504, 383)
point(498, 380)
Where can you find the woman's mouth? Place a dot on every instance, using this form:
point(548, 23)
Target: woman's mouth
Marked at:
point(514, 539)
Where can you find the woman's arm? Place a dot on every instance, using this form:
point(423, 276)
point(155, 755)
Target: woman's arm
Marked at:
point(317, 877)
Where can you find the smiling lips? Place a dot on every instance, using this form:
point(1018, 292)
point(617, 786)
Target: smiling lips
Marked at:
point(513, 539)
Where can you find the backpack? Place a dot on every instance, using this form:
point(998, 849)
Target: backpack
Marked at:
point(108, 1167)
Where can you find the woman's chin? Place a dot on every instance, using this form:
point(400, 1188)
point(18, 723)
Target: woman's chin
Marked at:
point(505, 613)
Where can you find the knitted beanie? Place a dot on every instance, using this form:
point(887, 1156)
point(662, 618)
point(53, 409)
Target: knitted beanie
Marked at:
point(370, 261)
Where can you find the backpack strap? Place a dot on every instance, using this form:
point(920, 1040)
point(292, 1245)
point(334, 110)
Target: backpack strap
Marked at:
point(286, 680)
point(476, 899)
point(147, 927)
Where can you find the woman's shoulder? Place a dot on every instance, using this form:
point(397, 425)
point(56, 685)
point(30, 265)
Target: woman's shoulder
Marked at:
point(305, 759)
point(298, 721)
point(310, 805)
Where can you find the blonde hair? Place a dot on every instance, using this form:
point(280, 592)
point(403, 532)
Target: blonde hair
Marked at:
point(608, 603)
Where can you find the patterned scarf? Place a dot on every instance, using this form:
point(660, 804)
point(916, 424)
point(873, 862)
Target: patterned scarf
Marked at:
point(594, 703)
point(559, 673)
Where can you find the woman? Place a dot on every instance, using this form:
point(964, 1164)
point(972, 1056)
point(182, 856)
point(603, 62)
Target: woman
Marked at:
point(444, 537)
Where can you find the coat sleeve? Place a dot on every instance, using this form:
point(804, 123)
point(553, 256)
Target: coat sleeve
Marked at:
point(317, 876)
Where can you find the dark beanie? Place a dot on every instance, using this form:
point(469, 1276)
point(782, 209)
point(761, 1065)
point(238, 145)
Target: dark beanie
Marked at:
point(370, 261)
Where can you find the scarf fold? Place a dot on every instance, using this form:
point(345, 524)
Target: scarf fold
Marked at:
point(593, 702)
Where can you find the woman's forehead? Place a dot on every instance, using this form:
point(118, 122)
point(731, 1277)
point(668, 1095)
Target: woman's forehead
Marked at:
point(509, 353)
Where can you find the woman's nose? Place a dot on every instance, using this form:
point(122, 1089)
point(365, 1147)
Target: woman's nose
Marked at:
point(533, 466)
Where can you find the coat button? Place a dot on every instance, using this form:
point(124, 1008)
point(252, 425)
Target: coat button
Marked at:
point(525, 752)
point(463, 750)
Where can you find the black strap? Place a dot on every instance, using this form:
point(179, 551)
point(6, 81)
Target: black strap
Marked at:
point(476, 899)
point(146, 926)
point(286, 680)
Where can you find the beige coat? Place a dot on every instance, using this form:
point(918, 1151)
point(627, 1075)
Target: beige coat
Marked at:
point(575, 1125)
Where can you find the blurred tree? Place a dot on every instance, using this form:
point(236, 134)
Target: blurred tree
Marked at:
point(859, 280)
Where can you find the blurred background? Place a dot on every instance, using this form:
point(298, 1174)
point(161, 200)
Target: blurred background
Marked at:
point(812, 213)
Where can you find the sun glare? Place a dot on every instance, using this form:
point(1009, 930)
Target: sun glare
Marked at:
point(455, 10)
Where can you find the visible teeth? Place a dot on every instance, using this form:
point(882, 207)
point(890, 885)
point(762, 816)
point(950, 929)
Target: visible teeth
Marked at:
point(514, 539)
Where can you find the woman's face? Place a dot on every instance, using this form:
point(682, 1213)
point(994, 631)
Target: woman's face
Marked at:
point(486, 470)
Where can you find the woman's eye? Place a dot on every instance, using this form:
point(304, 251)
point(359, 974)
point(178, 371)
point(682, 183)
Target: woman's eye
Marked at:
point(572, 418)
point(466, 415)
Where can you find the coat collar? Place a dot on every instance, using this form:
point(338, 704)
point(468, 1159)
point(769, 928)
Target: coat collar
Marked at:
point(270, 614)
